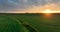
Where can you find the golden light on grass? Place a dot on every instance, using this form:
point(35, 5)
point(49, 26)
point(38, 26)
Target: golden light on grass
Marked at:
point(47, 12)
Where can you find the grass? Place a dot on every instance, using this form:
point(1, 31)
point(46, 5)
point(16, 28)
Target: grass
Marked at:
point(29, 23)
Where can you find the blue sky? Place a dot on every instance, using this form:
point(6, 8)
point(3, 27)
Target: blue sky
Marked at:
point(8, 5)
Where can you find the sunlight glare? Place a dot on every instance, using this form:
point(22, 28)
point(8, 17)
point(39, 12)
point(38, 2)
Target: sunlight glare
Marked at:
point(47, 11)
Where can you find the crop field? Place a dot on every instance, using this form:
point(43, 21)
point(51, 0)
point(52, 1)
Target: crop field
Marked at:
point(29, 23)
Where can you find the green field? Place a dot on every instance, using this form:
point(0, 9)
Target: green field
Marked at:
point(29, 23)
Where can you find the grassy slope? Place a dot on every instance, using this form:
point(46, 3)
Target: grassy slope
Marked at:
point(10, 23)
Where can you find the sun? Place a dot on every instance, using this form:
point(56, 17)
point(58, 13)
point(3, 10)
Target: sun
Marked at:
point(47, 11)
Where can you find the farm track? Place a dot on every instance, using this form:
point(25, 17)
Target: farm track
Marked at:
point(29, 27)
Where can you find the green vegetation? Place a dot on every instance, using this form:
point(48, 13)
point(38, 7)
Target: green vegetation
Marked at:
point(29, 23)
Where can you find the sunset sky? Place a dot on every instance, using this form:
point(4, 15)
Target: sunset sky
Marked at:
point(28, 5)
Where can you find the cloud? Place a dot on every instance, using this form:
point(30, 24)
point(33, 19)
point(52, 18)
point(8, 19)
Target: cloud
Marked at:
point(22, 5)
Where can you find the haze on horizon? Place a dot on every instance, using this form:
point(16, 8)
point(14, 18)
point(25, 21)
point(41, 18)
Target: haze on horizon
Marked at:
point(28, 5)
